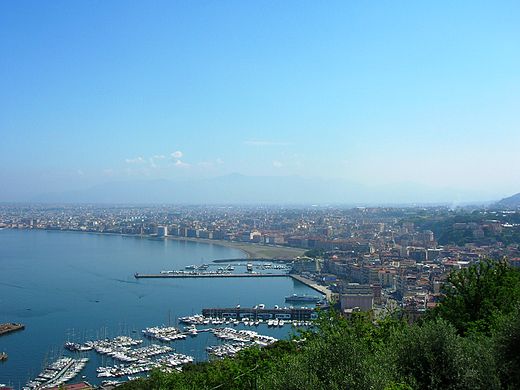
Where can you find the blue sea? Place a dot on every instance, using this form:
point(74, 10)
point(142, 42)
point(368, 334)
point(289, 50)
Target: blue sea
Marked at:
point(80, 286)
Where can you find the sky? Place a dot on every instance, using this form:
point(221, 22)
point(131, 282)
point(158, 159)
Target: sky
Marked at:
point(376, 93)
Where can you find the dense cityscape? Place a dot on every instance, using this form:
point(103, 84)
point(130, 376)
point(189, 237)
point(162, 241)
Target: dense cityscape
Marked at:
point(259, 195)
point(369, 257)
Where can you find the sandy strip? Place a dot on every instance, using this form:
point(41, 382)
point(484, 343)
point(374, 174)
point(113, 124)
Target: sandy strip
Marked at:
point(250, 249)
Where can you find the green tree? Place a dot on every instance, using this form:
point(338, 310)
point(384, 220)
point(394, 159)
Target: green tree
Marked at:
point(434, 356)
point(477, 296)
point(506, 348)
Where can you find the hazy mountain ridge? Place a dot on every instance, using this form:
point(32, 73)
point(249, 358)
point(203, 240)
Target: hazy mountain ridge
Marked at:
point(512, 201)
point(241, 189)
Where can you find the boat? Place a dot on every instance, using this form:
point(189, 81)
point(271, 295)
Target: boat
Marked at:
point(249, 267)
point(3, 357)
point(57, 373)
point(303, 298)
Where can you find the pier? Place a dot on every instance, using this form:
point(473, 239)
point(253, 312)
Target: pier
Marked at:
point(290, 314)
point(312, 284)
point(10, 327)
point(308, 282)
point(206, 275)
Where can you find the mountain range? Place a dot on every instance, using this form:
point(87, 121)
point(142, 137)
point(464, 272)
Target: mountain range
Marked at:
point(242, 189)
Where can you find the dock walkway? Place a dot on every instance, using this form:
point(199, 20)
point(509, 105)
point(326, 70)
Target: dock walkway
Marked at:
point(206, 275)
point(255, 313)
point(308, 282)
point(312, 284)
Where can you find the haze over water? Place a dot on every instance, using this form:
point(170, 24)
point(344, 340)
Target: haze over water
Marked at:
point(77, 286)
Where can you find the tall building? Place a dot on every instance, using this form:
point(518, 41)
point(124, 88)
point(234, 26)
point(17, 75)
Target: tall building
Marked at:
point(357, 296)
point(162, 231)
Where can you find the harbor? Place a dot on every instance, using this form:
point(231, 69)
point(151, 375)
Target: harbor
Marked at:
point(132, 357)
point(228, 274)
point(78, 296)
point(260, 268)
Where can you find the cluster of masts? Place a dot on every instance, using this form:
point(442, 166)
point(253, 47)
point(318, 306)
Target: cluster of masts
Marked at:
point(164, 333)
point(199, 319)
point(248, 336)
point(227, 269)
point(143, 359)
point(241, 339)
point(229, 349)
point(167, 363)
point(57, 373)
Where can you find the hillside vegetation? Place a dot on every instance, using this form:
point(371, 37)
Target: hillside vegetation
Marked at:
point(470, 341)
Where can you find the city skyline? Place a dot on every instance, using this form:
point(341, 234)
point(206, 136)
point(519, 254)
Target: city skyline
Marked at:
point(416, 102)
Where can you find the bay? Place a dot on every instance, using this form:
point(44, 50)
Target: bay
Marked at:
point(80, 286)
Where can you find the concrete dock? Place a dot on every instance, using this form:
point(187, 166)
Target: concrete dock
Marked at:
point(308, 282)
point(10, 327)
point(299, 314)
point(207, 275)
point(312, 284)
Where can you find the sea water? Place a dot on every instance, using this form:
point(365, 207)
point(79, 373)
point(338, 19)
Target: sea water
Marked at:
point(72, 286)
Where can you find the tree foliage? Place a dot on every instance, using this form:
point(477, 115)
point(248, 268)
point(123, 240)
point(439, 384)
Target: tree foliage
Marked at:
point(471, 341)
point(477, 296)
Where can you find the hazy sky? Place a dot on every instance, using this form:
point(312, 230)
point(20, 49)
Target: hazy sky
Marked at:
point(372, 92)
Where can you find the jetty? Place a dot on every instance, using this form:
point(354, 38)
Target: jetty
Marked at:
point(315, 286)
point(192, 275)
point(206, 275)
point(10, 327)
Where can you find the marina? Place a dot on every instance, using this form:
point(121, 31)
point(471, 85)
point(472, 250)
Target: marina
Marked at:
point(83, 289)
point(135, 359)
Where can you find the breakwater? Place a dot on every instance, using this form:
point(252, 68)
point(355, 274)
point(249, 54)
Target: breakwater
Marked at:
point(205, 275)
point(10, 327)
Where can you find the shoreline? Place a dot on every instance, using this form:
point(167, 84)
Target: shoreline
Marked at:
point(251, 250)
point(227, 244)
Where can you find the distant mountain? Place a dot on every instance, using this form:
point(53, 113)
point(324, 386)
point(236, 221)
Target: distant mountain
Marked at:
point(234, 188)
point(241, 189)
point(511, 202)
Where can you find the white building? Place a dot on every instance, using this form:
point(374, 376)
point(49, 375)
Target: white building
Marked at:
point(162, 231)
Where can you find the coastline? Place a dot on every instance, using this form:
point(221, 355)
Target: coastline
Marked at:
point(251, 250)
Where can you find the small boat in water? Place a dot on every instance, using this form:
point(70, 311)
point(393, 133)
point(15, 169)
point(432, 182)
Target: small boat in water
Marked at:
point(303, 298)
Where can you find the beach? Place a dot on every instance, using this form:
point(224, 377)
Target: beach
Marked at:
point(252, 250)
